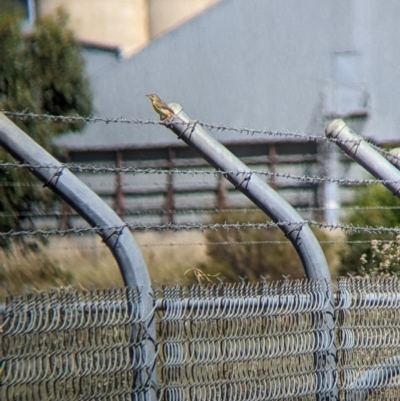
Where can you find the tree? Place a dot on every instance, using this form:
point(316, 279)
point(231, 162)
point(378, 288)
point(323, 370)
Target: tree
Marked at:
point(40, 72)
point(368, 257)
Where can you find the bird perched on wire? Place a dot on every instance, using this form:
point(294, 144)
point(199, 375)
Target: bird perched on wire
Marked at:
point(161, 107)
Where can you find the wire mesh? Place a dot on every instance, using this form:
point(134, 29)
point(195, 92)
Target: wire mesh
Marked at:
point(247, 341)
point(71, 345)
point(240, 342)
point(368, 321)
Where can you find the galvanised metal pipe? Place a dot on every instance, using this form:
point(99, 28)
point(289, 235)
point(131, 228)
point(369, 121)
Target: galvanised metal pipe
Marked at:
point(80, 197)
point(267, 199)
point(92, 208)
point(359, 150)
point(394, 157)
point(290, 222)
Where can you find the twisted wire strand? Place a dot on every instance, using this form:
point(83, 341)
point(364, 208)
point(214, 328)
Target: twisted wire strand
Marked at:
point(218, 127)
point(184, 211)
point(137, 121)
point(157, 171)
point(215, 127)
point(204, 227)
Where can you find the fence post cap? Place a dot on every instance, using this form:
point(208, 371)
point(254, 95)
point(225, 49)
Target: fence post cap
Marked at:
point(176, 107)
point(334, 128)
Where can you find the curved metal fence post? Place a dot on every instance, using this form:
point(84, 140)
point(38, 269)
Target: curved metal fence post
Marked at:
point(290, 222)
point(95, 211)
point(363, 153)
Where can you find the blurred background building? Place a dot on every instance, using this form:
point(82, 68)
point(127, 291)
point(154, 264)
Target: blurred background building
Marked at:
point(126, 24)
point(283, 66)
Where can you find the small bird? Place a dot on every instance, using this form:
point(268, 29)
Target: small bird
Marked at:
point(161, 107)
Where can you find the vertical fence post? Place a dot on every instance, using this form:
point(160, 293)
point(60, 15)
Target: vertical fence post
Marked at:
point(293, 226)
point(322, 150)
point(170, 204)
point(108, 225)
point(272, 161)
point(65, 208)
point(119, 199)
point(221, 193)
point(331, 190)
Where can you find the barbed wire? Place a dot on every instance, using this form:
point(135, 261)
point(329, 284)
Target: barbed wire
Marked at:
point(52, 248)
point(198, 226)
point(22, 115)
point(137, 170)
point(214, 127)
point(385, 153)
point(190, 211)
point(223, 243)
point(294, 226)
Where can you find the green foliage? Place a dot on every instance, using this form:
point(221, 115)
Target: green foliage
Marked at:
point(13, 6)
point(43, 72)
point(362, 259)
point(40, 72)
point(384, 259)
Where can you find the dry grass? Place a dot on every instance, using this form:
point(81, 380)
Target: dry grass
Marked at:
point(168, 264)
point(87, 262)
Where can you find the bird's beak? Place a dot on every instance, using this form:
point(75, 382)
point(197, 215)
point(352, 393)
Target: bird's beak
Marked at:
point(148, 95)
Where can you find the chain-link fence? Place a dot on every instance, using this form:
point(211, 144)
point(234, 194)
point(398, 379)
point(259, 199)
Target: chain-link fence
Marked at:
point(222, 342)
point(71, 345)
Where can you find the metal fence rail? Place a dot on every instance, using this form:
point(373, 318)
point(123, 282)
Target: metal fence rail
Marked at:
point(222, 342)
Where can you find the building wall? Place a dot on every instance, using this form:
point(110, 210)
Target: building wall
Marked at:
point(127, 24)
point(121, 23)
point(165, 15)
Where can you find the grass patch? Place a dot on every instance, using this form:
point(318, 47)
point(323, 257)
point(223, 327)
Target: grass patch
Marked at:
point(85, 262)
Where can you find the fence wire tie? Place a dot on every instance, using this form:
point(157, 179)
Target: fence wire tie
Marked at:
point(149, 320)
point(245, 179)
point(193, 127)
point(118, 232)
point(56, 175)
point(355, 145)
point(298, 227)
point(168, 121)
point(190, 125)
